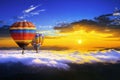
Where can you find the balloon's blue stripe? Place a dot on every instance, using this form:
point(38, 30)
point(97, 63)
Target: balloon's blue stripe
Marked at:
point(22, 31)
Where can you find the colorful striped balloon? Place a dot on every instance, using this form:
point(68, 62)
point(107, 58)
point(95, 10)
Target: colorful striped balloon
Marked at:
point(22, 32)
point(38, 38)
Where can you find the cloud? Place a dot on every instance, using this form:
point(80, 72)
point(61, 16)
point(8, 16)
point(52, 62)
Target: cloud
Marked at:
point(31, 11)
point(31, 8)
point(37, 12)
point(88, 27)
point(56, 48)
point(2, 22)
point(58, 59)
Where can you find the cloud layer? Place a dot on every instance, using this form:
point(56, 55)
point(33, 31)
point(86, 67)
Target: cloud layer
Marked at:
point(58, 59)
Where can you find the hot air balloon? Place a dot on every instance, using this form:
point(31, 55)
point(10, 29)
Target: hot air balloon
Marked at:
point(37, 41)
point(22, 33)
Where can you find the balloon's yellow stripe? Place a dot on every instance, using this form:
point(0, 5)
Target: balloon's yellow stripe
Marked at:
point(22, 40)
point(13, 28)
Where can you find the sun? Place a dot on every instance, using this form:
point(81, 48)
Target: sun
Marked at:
point(79, 41)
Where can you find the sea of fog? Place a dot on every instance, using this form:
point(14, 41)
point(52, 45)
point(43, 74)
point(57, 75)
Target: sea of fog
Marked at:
point(58, 59)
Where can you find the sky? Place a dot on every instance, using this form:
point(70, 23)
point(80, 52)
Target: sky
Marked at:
point(46, 13)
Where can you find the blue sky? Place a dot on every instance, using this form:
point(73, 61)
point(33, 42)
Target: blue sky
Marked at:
point(50, 12)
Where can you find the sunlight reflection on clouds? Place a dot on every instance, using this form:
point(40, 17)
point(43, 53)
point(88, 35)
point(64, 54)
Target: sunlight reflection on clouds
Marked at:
point(58, 60)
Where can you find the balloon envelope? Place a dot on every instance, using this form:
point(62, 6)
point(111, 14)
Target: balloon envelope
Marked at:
point(38, 38)
point(22, 33)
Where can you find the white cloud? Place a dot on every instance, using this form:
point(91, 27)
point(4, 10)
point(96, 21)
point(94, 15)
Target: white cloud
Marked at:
point(37, 12)
point(31, 8)
point(31, 11)
point(56, 59)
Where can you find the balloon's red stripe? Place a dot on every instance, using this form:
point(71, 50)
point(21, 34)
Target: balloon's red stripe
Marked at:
point(23, 36)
